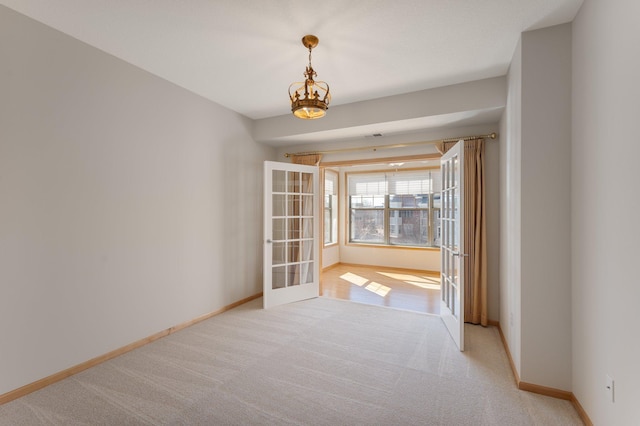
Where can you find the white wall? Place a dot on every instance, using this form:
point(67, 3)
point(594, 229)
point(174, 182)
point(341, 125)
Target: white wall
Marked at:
point(129, 205)
point(605, 206)
point(492, 206)
point(423, 260)
point(536, 289)
point(510, 208)
point(546, 207)
point(330, 255)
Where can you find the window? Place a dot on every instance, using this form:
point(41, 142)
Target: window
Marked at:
point(330, 207)
point(399, 208)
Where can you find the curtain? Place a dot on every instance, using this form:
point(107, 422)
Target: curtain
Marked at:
point(475, 239)
point(306, 159)
point(300, 228)
point(303, 272)
point(305, 254)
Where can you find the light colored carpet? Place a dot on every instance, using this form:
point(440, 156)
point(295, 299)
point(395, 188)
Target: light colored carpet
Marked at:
point(317, 362)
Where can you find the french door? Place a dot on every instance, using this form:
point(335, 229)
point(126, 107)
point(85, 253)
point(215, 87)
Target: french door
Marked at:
point(291, 233)
point(452, 255)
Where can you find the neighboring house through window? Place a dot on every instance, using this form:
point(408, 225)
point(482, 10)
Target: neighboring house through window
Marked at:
point(400, 208)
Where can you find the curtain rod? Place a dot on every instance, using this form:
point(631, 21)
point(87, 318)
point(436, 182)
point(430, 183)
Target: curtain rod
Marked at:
point(399, 145)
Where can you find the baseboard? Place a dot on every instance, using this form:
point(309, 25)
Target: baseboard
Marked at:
point(506, 348)
point(581, 412)
point(542, 390)
point(330, 267)
point(56, 377)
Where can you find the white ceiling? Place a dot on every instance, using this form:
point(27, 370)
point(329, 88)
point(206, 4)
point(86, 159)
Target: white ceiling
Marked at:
point(225, 50)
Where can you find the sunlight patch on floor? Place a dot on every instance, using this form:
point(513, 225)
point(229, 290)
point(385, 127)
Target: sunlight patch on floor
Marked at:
point(374, 287)
point(379, 289)
point(426, 282)
point(425, 285)
point(354, 279)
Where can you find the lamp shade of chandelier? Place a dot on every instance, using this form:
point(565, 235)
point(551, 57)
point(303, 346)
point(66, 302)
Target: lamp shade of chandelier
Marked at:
point(309, 99)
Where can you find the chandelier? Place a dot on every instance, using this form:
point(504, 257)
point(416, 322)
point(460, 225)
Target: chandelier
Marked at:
point(309, 99)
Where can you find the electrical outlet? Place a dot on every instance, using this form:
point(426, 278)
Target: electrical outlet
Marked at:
point(610, 388)
point(511, 319)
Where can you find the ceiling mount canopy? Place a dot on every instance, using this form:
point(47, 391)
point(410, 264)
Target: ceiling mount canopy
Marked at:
point(309, 99)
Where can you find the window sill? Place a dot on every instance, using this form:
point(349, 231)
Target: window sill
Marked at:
point(366, 245)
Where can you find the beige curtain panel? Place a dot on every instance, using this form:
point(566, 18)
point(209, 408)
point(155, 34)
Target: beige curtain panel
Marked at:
point(306, 159)
point(300, 228)
point(475, 233)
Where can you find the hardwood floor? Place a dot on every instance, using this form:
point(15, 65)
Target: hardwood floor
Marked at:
point(410, 290)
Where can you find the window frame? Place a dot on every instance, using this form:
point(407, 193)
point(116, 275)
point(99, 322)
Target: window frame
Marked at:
point(431, 213)
point(333, 209)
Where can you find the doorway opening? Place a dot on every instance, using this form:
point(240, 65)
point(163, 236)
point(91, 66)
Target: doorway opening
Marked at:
point(393, 270)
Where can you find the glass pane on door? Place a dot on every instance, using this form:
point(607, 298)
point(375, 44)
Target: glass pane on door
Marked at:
point(294, 182)
point(279, 277)
point(278, 183)
point(293, 229)
point(279, 229)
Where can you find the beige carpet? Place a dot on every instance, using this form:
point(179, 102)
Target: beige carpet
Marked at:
point(317, 362)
